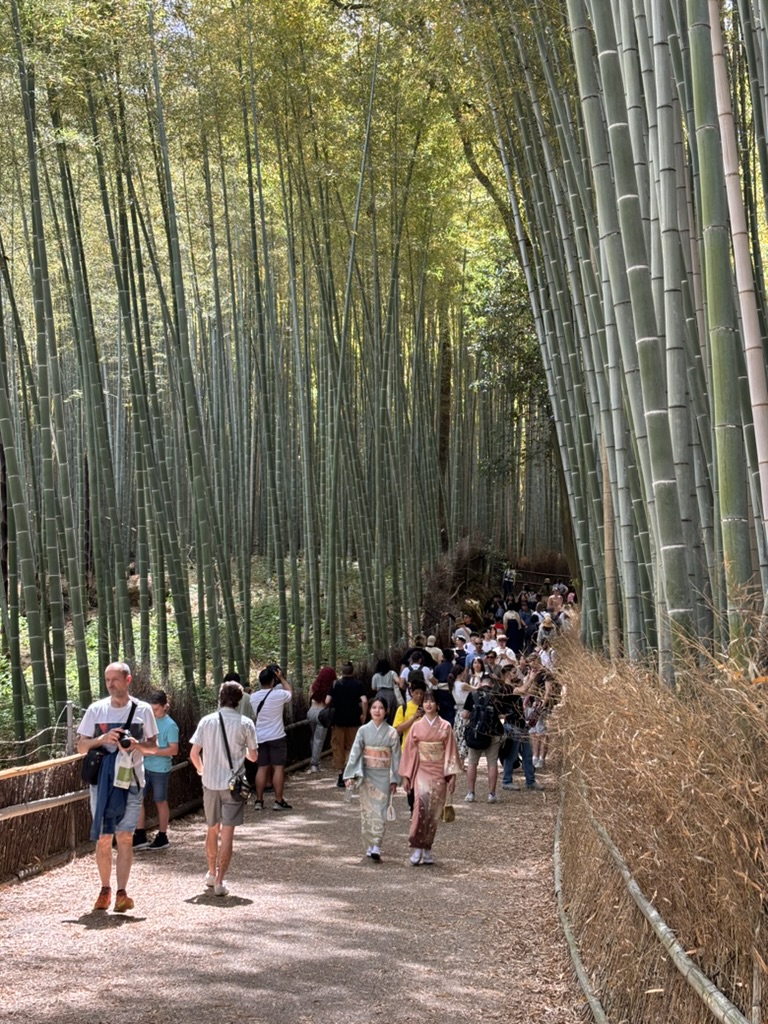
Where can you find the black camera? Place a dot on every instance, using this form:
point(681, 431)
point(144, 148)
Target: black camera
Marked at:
point(125, 740)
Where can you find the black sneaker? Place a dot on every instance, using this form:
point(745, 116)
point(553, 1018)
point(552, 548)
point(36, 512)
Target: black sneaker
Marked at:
point(140, 841)
point(281, 805)
point(340, 781)
point(160, 842)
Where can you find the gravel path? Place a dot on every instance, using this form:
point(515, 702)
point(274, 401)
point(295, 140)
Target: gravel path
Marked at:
point(312, 931)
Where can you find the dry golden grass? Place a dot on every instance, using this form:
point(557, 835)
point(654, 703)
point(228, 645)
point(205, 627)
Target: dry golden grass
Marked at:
point(678, 779)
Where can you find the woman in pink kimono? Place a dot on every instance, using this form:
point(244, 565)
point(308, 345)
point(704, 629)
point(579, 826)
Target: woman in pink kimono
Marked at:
point(429, 766)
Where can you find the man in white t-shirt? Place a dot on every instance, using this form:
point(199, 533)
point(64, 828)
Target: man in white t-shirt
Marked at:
point(504, 655)
point(267, 704)
point(116, 723)
point(208, 753)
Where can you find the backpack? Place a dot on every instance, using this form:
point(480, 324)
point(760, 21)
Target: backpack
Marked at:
point(482, 718)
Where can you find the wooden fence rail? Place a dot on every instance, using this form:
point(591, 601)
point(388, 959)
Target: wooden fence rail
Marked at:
point(44, 813)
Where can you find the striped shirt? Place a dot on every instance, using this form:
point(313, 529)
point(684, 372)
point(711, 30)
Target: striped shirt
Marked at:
point(241, 736)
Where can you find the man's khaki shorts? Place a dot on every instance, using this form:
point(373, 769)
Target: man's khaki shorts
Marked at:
point(491, 753)
point(221, 808)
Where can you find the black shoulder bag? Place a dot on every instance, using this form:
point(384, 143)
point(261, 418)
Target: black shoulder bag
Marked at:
point(239, 786)
point(91, 765)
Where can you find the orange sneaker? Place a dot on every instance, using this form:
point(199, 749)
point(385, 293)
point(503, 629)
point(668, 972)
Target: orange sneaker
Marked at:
point(103, 899)
point(123, 902)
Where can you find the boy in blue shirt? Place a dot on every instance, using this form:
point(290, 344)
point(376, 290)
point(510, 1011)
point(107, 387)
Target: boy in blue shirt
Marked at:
point(157, 769)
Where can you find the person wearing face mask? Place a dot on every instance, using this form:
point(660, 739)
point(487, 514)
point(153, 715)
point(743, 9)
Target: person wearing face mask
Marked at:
point(372, 768)
point(428, 767)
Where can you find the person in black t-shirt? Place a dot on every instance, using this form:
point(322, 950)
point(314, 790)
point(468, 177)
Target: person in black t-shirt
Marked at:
point(349, 705)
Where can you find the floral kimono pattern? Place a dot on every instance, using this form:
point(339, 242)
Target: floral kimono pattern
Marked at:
point(373, 763)
point(429, 758)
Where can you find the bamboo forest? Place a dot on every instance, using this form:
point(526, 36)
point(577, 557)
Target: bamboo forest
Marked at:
point(314, 292)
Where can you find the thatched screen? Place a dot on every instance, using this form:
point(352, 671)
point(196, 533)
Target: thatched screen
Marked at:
point(34, 838)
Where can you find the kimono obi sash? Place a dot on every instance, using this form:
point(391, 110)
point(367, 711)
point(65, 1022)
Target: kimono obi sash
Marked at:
point(377, 757)
point(432, 751)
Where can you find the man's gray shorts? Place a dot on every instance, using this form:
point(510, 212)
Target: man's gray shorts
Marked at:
point(221, 808)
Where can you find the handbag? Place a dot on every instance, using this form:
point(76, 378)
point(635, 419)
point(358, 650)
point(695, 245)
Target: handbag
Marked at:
point(326, 716)
point(91, 763)
point(448, 813)
point(239, 786)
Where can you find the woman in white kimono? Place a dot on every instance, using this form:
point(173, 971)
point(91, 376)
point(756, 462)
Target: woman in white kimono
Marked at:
point(373, 762)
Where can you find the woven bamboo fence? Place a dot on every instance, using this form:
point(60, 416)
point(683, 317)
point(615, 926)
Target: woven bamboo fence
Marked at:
point(44, 812)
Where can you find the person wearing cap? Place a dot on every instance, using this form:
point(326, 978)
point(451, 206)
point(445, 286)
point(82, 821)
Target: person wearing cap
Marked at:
point(547, 629)
point(433, 650)
point(465, 629)
point(504, 654)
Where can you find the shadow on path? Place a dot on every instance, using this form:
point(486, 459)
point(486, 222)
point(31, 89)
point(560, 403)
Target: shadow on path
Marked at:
point(312, 931)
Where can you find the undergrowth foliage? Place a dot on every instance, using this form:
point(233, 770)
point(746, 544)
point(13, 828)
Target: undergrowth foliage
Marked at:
point(678, 779)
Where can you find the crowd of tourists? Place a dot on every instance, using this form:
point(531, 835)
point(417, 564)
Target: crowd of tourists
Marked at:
point(486, 695)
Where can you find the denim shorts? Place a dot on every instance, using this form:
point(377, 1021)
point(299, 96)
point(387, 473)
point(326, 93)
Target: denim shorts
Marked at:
point(128, 821)
point(156, 783)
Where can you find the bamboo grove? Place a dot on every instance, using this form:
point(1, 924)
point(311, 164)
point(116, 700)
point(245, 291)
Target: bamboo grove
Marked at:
point(628, 144)
point(244, 283)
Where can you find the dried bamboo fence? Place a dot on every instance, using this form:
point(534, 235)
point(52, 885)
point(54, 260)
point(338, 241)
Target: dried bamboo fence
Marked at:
point(44, 814)
point(719, 1006)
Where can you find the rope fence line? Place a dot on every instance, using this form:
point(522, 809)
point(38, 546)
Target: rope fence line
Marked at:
point(50, 736)
point(716, 1001)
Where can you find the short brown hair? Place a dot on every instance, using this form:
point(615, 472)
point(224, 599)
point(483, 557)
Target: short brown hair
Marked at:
point(230, 695)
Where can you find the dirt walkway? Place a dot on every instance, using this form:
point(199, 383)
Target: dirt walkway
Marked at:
point(311, 932)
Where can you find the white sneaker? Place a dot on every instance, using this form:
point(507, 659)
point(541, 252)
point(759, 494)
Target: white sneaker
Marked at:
point(470, 797)
point(221, 890)
point(427, 857)
point(415, 857)
point(492, 798)
point(368, 851)
point(210, 880)
point(313, 768)
point(537, 762)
